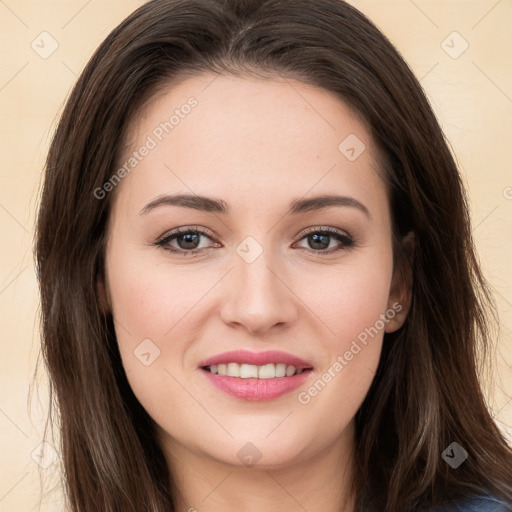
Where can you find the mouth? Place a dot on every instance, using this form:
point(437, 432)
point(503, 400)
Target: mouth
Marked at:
point(256, 376)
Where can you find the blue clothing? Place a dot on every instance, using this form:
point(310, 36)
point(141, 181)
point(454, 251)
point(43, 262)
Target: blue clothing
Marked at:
point(477, 504)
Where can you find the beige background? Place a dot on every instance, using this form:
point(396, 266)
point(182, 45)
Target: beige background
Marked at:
point(471, 93)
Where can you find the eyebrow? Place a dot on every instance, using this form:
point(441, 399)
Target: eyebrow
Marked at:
point(211, 205)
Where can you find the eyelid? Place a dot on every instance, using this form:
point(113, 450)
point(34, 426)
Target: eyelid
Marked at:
point(187, 229)
point(205, 231)
point(328, 229)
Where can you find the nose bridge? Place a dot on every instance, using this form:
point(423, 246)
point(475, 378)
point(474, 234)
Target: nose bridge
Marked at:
point(259, 297)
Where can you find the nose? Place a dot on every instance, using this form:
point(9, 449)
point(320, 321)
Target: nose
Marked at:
point(259, 296)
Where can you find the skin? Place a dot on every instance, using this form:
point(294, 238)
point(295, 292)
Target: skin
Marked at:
point(256, 145)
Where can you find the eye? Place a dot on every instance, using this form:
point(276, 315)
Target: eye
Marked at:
point(187, 239)
point(320, 239)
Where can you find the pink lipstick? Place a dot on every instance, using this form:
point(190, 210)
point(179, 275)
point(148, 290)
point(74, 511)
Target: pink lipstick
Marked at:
point(256, 376)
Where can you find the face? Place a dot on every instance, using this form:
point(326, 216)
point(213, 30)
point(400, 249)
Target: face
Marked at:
point(292, 285)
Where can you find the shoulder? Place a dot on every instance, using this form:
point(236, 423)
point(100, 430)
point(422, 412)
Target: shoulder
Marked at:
point(476, 504)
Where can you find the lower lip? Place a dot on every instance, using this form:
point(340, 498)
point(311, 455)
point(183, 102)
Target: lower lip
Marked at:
point(256, 389)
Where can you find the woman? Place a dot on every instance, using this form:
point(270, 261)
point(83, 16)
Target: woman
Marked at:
point(259, 289)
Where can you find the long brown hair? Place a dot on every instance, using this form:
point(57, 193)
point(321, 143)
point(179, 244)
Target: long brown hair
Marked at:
point(427, 391)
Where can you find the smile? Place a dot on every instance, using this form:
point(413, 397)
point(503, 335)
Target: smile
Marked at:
point(256, 376)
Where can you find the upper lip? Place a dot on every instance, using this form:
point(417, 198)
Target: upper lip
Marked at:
point(256, 358)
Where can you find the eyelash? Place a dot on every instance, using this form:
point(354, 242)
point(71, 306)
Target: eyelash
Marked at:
point(346, 240)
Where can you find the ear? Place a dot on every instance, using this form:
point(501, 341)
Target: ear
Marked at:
point(400, 293)
point(103, 297)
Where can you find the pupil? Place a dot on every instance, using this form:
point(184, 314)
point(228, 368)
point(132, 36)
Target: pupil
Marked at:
point(320, 239)
point(187, 240)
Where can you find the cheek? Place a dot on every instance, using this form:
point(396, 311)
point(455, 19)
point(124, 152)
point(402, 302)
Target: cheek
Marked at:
point(151, 308)
point(351, 299)
point(152, 334)
point(151, 298)
point(353, 307)
point(358, 306)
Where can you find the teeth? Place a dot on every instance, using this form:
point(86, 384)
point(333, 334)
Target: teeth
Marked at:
point(290, 370)
point(267, 371)
point(246, 371)
point(233, 370)
point(251, 371)
point(280, 370)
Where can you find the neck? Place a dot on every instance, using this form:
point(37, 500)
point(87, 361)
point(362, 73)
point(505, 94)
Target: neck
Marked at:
point(319, 483)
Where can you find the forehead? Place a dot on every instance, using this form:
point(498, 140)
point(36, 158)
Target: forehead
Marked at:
point(212, 134)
